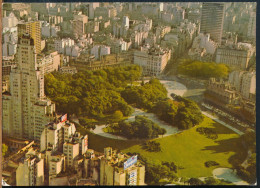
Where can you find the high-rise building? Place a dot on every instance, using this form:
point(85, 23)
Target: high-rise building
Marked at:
point(212, 19)
point(25, 108)
point(114, 171)
point(34, 29)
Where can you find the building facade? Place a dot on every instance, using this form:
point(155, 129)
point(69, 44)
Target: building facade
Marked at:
point(212, 18)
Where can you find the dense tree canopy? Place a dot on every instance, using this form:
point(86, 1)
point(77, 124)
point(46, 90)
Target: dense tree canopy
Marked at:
point(95, 94)
point(145, 96)
point(203, 69)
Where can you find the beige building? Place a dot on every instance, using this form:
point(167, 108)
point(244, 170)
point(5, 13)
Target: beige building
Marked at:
point(112, 170)
point(153, 61)
point(30, 171)
point(34, 29)
point(25, 108)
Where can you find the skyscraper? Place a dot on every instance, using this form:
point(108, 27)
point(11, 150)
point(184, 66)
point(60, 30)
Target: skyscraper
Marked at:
point(34, 29)
point(212, 19)
point(26, 109)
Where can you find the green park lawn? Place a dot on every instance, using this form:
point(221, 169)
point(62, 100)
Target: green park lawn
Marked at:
point(188, 149)
point(191, 150)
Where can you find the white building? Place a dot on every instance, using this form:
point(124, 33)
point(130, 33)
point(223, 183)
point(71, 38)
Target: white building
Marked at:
point(9, 21)
point(60, 45)
point(126, 21)
point(153, 61)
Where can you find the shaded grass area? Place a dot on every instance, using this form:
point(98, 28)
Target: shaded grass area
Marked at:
point(190, 150)
point(98, 142)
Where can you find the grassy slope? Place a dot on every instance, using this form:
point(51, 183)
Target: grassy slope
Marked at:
point(191, 150)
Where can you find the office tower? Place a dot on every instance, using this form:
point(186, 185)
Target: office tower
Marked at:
point(25, 108)
point(79, 24)
point(34, 29)
point(212, 19)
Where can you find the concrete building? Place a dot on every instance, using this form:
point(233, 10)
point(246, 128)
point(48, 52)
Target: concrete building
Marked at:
point(34, 29)
point(30, 171)
point(212, 18)
point(112, 172)
point(79, 25)
point(235, 55)
point(153, 61)
point(25, 107)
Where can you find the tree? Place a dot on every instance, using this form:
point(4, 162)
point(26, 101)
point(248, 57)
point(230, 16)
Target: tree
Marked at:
point(116, 116)
point(195, 181)
point(4, 149)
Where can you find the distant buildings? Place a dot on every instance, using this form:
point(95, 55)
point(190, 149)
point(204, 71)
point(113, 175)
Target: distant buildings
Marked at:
point(212, 18)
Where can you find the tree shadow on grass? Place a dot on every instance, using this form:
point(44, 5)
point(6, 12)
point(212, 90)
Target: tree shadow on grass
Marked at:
point(230, 145)
point(220, 129)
